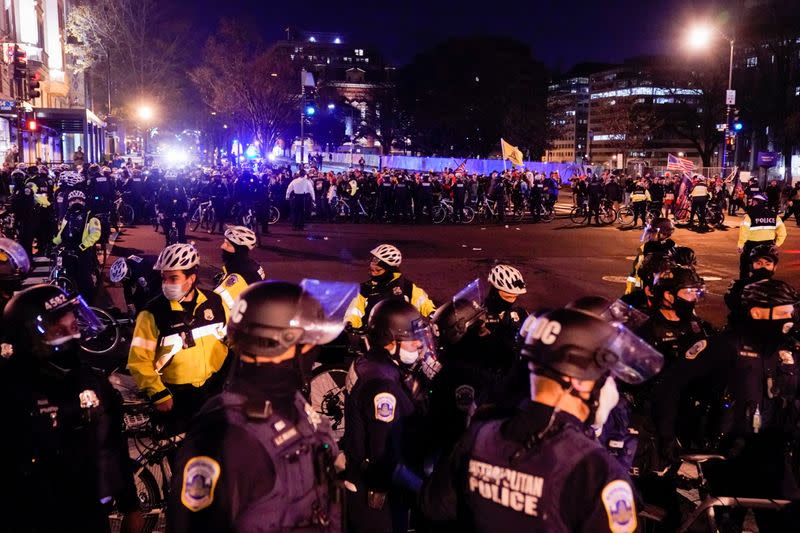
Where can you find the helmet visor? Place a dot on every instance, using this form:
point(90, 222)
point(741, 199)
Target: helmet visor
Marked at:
point(13, 253)
point(72, 319)
point(468, 303)
point(423, 336)
point(334, 297)
point(629, 358)
point(618, 312)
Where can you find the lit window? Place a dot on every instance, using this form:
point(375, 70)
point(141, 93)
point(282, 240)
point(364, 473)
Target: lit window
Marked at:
point(752, 62)
point(797, 91)
point(312, 39)
point(359, 51)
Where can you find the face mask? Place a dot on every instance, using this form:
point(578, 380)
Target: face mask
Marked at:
point(761, 273)
point(383, 278)
point(268, 381)
point(771, 329)
point(495, 304)
point(173, 292)
point(683, 308)
point(227, 256)
point(407, 357)
point(609, 397)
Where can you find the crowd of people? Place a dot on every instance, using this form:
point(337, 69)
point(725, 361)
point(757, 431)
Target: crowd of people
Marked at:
point(466, 414)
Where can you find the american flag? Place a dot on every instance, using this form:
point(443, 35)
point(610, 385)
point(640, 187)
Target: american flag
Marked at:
point(461, 168)
point(678, 163)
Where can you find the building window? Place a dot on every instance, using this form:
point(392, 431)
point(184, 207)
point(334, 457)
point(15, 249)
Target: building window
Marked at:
point(359, 52)
point(797, 91)
point(752, 62)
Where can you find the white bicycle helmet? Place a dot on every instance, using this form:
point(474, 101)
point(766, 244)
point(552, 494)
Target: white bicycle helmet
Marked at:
point(76, 195)
point(388, 254)
point(241, 236)
point(179, 256)
point(118, 270)
point(507, 278)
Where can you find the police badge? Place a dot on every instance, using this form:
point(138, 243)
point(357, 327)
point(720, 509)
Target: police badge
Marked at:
point(200, 477)
point(208, 314)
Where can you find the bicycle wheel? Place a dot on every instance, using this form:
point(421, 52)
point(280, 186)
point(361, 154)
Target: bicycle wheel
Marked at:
point(66, 284)
point(107, 339)
point(342, 210)
point(274, 215)
point(467, 215)
point(607, 216)
point(438, 215)
point(326, 393)
point(253, 225)
point(547, 214)
point(194, 222)
point(625, 217)
point(125, 215)
point(579, 215)
point(151, 502)
point(717, 217)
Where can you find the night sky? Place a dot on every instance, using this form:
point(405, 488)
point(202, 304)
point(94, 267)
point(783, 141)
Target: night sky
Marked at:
point(560, 32)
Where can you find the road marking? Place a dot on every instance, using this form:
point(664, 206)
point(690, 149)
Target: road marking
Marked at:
point(711, 278)
point(616, 279)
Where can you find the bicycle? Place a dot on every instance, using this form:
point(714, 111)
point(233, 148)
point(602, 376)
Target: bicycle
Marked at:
point(487, 210)
point(203, 216)
point(690, 475)
point(341, 211)
point(626, 215)
point(250, 220)
point(580, 214)
point(444, 211)
point(8, 226)
point(543, 211)
point(124, 213)
point(150, 449)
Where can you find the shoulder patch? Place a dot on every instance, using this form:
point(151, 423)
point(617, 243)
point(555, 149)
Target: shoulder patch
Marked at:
point(385, 404)
point(231, 281)
point(620, 508)
point(261, 273)
point(696, 348)
point(208, 314)
point(200, 476)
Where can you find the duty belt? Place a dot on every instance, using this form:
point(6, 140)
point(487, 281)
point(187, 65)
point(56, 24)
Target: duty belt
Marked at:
point(177, 342)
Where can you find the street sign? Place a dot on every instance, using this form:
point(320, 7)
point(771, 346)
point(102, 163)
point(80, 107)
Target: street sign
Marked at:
point(7, 105)
point(722, 127)
point(730, 97)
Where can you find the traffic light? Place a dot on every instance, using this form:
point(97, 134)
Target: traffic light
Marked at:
point(33, 86)
point(20, 63)
point(310, 110)
point(32, 125)
point(737, 126)
point(309, 104)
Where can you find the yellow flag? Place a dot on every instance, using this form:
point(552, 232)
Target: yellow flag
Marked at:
point(512, 153)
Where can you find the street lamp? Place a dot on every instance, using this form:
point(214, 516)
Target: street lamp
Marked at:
point(700, 37)
point(145, 113)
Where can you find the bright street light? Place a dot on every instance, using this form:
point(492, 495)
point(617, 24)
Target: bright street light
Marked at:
point(331, 107)
point(700, 36)
point(145, 112)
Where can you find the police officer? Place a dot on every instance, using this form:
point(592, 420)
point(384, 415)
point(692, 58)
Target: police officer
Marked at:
point(43, 206)
point(640, 196)
point(699, 195)
point(386, 281)
point(459, 197)
point(424, 199)
point(538, 470)
point(594, 193)
point(177, 350)
point(402, 200)
point(760, 225)
point(23, 207)
point(67, 448)
point(382, 407)
point(503, 317)
point(753, 370)
point(218, 193)
point(384, 209)
point(258, 457)
point(656, 240)
point(140, 283)
point(173, 207)
point(238, 269)
point(79, 232)
point(763, 263)
point(537, 194)
point(14, 266)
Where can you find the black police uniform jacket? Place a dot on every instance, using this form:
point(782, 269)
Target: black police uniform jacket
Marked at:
point(497, 480)
point(244, 469)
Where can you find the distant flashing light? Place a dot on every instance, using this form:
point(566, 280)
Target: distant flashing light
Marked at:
point(312, 39)
point(738, 126)
point(331, 107)
point(310, 110)
point(337, 41)
point(251, 152)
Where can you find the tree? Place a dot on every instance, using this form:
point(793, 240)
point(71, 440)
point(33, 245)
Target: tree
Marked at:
point(463, 95)
point(130, 46)
point(253, 84)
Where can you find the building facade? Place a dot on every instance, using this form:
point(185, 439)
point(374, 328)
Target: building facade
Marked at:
point(628, 107)
point(57, 121)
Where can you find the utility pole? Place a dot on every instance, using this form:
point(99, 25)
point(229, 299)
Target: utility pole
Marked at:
point(302, 115)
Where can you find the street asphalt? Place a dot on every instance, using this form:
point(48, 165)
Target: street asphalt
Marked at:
point(560, 261)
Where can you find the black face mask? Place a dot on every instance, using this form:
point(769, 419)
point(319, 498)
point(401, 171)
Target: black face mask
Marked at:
point(683, 308)
point(275, 382)
point(759, 274)
point(495, 304)
point(384, 278)
point(227, 256)
point(769, 329)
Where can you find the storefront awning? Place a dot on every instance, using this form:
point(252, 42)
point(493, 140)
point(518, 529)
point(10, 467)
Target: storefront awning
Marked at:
point(67, 120)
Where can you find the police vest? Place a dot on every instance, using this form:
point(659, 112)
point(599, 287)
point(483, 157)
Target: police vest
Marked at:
point(679, 340)
point(76, 221)
point(524, 495)
point(762, 218)
point(374, 293)
point(302, 455)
